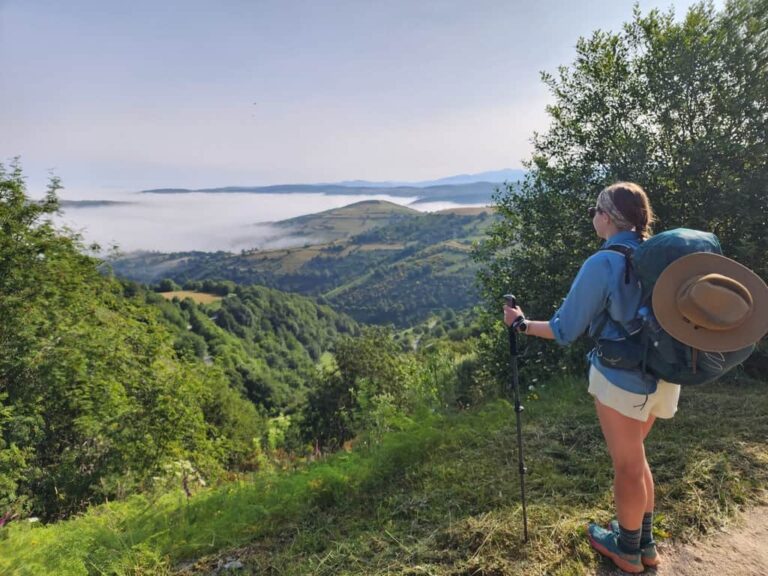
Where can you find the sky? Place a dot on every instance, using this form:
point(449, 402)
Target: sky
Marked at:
point(116, 96)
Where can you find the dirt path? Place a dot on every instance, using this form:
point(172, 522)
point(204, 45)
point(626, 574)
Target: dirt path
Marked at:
point(739, 550)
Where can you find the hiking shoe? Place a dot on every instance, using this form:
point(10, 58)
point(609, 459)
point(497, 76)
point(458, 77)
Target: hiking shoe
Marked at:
point(648, 555)
point(607, 543)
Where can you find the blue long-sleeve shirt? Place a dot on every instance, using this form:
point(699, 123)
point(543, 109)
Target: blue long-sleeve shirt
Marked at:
point(597, 292)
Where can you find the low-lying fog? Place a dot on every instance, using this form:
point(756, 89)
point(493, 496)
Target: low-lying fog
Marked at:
point(209, 222)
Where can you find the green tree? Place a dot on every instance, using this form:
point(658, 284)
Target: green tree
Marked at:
point(680, 107)
point(370, 368)
point(167, 285)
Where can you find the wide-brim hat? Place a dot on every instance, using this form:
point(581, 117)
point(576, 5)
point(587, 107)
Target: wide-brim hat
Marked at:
point(711, 303)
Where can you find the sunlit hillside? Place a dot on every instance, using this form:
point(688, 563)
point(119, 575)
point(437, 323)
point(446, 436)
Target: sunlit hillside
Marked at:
point(377, 261)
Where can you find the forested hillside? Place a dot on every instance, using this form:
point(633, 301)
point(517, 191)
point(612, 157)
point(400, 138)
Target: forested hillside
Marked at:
point(385, 264)
point(107, 389)
point(268, 343)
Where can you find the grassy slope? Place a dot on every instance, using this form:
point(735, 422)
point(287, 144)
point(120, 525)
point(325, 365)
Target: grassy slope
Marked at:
point(346, 221)
point(439, 498)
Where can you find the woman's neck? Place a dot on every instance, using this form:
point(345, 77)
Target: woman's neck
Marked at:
point(612, 231)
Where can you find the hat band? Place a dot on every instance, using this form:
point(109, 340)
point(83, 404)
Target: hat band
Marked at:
point(714, 302)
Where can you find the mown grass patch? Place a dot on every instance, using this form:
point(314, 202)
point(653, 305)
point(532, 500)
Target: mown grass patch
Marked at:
point(442, 497)
point(197, 297)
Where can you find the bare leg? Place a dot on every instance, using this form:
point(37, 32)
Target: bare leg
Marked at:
point(650, 492)
point(633, 482)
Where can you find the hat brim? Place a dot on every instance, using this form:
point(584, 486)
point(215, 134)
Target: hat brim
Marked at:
point(664, 301)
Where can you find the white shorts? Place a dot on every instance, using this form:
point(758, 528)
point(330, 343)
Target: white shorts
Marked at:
point(662, 403)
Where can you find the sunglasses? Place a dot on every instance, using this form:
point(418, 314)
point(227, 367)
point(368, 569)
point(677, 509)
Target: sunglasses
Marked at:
point(595, 210)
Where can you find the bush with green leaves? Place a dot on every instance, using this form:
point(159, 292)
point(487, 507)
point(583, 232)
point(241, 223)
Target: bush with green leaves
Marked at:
point(679, 106)
point(374, 387)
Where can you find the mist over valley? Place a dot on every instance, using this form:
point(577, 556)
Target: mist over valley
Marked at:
point(243, 218)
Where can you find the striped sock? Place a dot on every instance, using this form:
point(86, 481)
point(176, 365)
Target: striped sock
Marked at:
point(647, 529)
point(629, 540)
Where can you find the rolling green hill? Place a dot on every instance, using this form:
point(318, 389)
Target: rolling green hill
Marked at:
point(380, 262)
point(347, 221)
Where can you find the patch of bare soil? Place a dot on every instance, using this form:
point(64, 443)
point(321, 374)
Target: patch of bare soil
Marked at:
point(741, 549)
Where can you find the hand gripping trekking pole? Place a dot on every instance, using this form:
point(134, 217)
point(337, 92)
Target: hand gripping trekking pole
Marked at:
point(511, 302)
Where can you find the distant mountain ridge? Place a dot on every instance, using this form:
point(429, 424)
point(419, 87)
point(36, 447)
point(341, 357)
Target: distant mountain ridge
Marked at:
point(91, 203)
point(466, 187)
point(474, 193)
point(493, 176)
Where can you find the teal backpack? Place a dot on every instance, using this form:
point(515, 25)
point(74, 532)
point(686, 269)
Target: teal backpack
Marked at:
point(645, 344)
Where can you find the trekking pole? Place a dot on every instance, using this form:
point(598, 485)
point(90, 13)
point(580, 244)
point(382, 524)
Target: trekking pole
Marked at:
point(512, 303)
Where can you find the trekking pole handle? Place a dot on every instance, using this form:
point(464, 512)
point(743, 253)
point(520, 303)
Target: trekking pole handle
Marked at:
point(511, 301)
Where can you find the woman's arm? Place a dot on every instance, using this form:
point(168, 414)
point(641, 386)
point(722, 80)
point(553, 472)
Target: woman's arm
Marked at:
point(540, 329)
point(586, 298)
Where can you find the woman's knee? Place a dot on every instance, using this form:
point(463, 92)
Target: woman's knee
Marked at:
point(630, 467)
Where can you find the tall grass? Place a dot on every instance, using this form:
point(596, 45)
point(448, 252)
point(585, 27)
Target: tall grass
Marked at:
point(441, 497)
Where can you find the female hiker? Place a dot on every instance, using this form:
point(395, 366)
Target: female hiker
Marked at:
point(600, 297)
point(710, 310)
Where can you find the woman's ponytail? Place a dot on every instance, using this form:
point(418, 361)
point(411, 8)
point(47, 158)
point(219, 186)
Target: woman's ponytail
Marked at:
point(633, 204)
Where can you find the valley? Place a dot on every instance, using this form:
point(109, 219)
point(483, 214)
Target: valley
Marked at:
point(377, 261)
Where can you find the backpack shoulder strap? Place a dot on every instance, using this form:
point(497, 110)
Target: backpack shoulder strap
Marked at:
point(620, 248)
point(627, 251)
